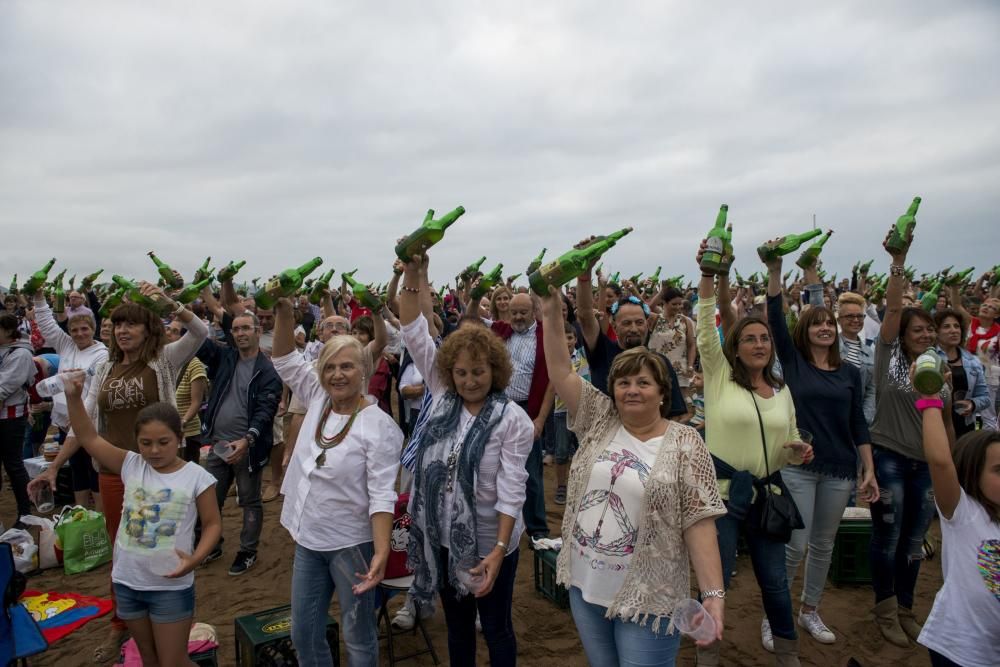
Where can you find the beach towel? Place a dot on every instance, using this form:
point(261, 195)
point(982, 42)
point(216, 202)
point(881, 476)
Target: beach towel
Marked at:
point(59, 614)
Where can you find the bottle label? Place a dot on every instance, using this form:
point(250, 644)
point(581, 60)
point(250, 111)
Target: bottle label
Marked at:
point(714, 244)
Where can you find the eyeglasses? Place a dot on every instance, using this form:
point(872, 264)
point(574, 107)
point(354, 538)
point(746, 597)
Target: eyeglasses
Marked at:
point(851, 317)
point(243, 327)
point(753, 340)
point(633, 300)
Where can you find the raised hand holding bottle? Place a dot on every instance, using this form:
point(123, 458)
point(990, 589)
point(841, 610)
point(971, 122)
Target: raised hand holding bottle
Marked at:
point(427, 234)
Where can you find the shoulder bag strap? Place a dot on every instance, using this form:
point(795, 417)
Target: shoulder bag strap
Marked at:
point(763, 441)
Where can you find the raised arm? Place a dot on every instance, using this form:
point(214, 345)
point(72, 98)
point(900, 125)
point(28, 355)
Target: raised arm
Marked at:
point(391, 299)
point(104, 452)
point(585, 311)
point(54, 336)
point(211, 303)
point(944, 477)
point(894, 291)
point(729, 314)
point(956, 305)
point(230, 299)
point(562, 377)
point(284, 329)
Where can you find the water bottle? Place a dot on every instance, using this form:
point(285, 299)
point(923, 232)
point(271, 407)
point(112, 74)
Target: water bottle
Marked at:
point(51, 386)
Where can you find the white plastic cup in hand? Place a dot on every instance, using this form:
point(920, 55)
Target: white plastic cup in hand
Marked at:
point(350, 563)
point(805, 436)
point(694, 621)
point(43, 498)
point(223, 449)
point(472, 582)
point(163, 562)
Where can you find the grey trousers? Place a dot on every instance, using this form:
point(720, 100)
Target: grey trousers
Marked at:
point(247, 494)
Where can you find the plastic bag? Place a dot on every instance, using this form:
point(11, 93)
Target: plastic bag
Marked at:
point(24, 548)
point(46, 540)
point(83, 537)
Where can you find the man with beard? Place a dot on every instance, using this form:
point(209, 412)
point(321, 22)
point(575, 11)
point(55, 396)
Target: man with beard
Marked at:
point(629, 321)
point(244, 399)
point(529, 388)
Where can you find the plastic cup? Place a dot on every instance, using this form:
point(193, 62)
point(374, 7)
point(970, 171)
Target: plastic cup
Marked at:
point(43, 498)
point(692, 620)
point(164, 562)
point(350, 563)
point(805, 436)
point(223, 449)
point(471, 582)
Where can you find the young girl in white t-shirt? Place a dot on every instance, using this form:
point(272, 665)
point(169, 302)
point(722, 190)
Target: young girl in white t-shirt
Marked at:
point(964, 625)
point(152, 575)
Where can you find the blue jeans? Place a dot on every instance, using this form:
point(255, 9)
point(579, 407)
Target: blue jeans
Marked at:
point(494, 613)
point(614, 642)
point(900, 520)
point(314, 580)
point(565, 444)
point(535, 522)
point(768, 559)
point(821, 500)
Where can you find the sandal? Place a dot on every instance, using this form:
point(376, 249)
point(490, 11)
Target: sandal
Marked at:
point(110, 649)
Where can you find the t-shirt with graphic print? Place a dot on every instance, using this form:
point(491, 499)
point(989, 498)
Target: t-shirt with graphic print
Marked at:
point(578, 360)
point(607, 524)
point(964, 623)
point(158, 515)
point(127, 389)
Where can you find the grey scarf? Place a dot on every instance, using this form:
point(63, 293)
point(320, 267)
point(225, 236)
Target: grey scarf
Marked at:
point(430, 481)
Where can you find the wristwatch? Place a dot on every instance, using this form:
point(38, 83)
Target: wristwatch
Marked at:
point(250, 438)
point(501, 544)
point(716, 593)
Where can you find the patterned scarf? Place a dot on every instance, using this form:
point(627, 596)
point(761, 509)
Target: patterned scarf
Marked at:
point(429, 484)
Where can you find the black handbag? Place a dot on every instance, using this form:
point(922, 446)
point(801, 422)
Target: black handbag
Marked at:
point(776, 516)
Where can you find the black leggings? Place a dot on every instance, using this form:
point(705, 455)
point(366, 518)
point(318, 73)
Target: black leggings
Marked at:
point(12, 432)
point(938, 660)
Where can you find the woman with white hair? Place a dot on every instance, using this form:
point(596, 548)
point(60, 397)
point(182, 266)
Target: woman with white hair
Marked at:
point(339, 493)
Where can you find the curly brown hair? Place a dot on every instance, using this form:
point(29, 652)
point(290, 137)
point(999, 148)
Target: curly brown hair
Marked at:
point(481, 343)
point(156, 336)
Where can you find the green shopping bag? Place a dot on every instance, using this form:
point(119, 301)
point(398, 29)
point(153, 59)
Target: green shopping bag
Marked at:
point(83, 537)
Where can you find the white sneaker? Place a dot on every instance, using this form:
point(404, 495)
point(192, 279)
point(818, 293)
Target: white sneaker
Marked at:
point(766, 638)
point(403, 620)
point(815, 626)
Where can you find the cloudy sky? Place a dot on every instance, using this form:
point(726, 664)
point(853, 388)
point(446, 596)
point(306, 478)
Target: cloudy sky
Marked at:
point(275, 131)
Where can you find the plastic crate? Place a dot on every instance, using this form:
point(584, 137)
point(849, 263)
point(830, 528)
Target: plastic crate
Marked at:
point(207, 658)
point(545, 578)
point(850, 563)
point(263, 639)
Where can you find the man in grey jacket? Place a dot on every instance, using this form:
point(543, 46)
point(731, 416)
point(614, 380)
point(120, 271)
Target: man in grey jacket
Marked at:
point(17, 374)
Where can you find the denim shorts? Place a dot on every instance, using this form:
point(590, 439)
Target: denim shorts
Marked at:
point(161, 606)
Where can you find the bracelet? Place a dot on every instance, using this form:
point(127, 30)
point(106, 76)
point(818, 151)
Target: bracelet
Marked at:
point(177, 311)
point(581, 279)
point(707, 275)
point(716, 593)
point(897, 270)
point(924, 403)
point(501, 544)
point(412, 290)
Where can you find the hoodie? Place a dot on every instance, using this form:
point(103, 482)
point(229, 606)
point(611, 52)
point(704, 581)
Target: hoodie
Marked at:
point(17, 373)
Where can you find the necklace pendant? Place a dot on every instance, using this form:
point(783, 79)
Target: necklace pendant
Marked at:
point(321, 459)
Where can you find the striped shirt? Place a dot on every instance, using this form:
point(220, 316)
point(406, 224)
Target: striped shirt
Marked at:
point(853, 349)
point(195, 370)
point(522, 348)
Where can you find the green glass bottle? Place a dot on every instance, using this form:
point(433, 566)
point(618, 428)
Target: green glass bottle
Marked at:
point(635, 278)
point(903, 227)
point(676, 280)
point(158, 305)
point(38, 278)
point(285, 284)
point(615, 278)
point(727, 251)
point(113, 301)
point(58, 279)
point(808, 259)
point(712, 260)
point(191, 292)
point(487, 282)
point(88, 280)
point(959, 278)
point(229, 271)
point(655, 278)
point(929, 300)
point(572, 263)
point(472, 270)
point(441, 292)
point(739, 280)
point(536, 262)
point(166, 273)
point(72, 282)
point(59, 296)
point(780, 247)
point(514, 277)
point(13, 285)
point(203, 271)
point(928, 373)
point(362, 293)
point(319, 287)
point(427, 234)
point(788, 274)
point(598, 268)
point(866, 267)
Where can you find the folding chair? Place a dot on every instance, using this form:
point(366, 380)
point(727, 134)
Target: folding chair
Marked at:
point(20, 636)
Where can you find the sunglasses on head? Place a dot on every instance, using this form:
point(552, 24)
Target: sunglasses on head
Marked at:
point(633, 300)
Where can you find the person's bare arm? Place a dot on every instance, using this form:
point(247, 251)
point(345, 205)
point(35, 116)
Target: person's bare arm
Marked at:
point(381, 338)
point(894, 292)
point(702, 544)
point(198, 387)
point(958, 306)
point(230, 299)
point(585, 310)
point(548, 402)
point(391, 292)
point(284, 329)
point(562, 378)
point(104, 452)
point(937, 451)
point(212, 304)
point(728, 316)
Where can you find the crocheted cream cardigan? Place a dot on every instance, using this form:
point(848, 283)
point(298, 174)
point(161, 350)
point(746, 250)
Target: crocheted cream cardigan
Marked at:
point(681, 491)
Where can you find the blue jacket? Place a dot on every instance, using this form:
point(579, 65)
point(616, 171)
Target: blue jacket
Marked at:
point(975, 375)
point(867, 370)
point(263, 396)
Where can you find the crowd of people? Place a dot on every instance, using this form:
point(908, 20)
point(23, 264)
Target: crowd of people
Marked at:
point(679, 419)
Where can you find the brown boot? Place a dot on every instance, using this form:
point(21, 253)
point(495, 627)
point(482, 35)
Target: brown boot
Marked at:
point(786, 652)
point(887, 616)
point(709, 656)
point(908, 622)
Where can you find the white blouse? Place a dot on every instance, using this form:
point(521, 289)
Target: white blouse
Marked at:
point(328, 508)
point(501, 478)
